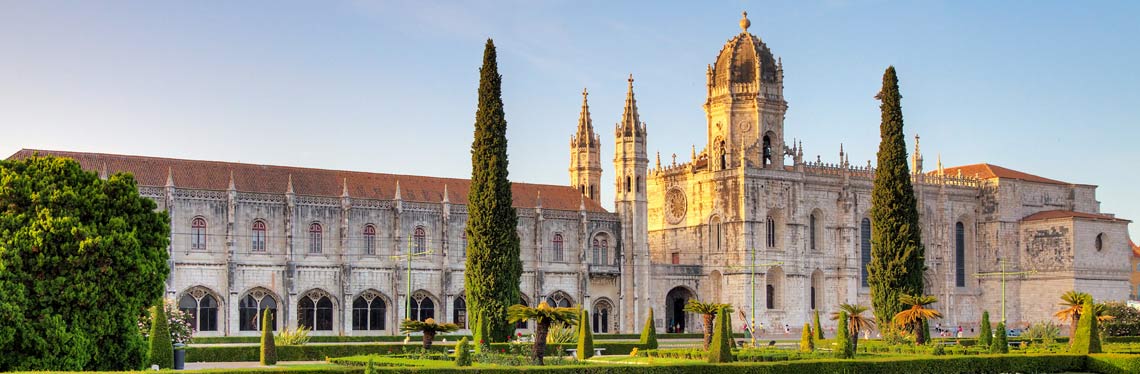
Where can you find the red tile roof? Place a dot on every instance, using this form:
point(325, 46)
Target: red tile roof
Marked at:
point(1051, 214)
point(1135, 248)
point(988, 171)
point(215, 175)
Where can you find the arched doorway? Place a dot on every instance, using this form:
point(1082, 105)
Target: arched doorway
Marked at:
point(675, 300)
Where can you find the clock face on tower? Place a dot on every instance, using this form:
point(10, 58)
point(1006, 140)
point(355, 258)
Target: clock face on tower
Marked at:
point(675, 205)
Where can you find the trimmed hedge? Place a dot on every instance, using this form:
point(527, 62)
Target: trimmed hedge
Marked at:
point(438, 338)
point(251, 353)
point(1113, 363)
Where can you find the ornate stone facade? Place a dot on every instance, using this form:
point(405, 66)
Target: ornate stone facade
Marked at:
point(747, 221)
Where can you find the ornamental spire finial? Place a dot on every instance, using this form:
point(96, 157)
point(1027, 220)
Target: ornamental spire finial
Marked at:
point(744, 22)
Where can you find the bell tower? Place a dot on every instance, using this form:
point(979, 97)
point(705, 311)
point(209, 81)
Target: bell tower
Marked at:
point(631, 166)
point(745, 104)
point(585, 156)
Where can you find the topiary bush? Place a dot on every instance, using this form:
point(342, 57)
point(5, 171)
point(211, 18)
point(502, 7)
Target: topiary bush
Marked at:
point(1087, 340)
point(462, 354)
point(985, 335)
point(999, 343)
point(843, 347)
point(161, 348)
point(585, 337)
point(268, 346)
point(807, 340)
point(649, 333)
point(720, 350)
point(817, 328)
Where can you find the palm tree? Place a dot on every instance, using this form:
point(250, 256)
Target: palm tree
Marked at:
point(856, 322)
point(1073, 301)
point(708, 313)
point(543, 315)
point(428, 327)
point(912, 318)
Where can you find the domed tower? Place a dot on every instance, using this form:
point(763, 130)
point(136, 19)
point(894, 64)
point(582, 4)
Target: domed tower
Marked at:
point(745, 105)
point(585, 156)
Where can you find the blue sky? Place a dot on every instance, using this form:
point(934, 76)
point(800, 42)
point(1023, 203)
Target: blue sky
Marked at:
point(1044, 87)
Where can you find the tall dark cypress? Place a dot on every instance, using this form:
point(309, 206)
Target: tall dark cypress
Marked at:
point(493, 266)
point(896, 237)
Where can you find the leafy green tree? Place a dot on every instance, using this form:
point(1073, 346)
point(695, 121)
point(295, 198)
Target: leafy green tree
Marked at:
point(843, 348)
point(817, 328)
point(268, 345)
point(161, 348)
point(649, 333)
point(543, 315)
point(494, 265)
point(721, 348)
point(999, 343)
point(1125, 320)
point(585, 337)
point(80, 259)
point(985, 334)
point(896, 236)
point(428, 328)
point(463, 353)
point(807, 340)
point(1087, 340)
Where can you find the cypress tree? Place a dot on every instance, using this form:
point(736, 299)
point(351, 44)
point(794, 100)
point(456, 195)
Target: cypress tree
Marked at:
point(494, 267)
point(721, 348)
point(985, 335)
point(268, 346)
point(843, 347)
point(999, 343)
point(807, 340)
point(817, 327)
point(649, 333)
point(161, 348)
point(1087, 339)
point(585, 337)
point(896, 237)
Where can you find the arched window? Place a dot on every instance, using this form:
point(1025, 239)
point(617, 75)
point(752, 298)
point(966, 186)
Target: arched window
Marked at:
point(258, 236)
point(198, 234)
point(716, 234)
point(556, 248)
point(369, 239)
point(637, 184)
point(723, 156)
point(771, 234)
point(601, 316)
point(774, 290)
point(558, 299)
point(422, 306)
point(812, 233)
point(627, 184)
point(865, 248)
point(368, 312)
point(1099, 241)
point(463, 244)
point(316, 232)
point(601, 248)
point(202, 308)
point(459, 312)
point(420, 240)
point(960, 255)
point(767, 150)
point(315, 311)
point(770, 293)
point(252, 306)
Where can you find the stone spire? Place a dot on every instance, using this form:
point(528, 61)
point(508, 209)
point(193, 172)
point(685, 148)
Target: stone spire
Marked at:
point(289, 188)
point(398, 190)
point(917, 156)
point(693, 153)
point(231, 187)
point(585, 136)
point(537, 200)
point(630, 122)
point(103, 172)
point(344, 188)
point(446, 198)
point(941, 172)
point(169, 176)
point(658, 160)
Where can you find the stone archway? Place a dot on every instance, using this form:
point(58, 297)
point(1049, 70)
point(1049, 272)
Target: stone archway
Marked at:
point(675, 316)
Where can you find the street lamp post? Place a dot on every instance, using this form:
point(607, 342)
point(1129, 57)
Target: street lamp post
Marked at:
point(1003, 273)
point(408, 294)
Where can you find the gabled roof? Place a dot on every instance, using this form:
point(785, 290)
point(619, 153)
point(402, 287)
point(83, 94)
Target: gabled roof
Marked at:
point(989, 171)
point(215, 175)
point(1051, 214)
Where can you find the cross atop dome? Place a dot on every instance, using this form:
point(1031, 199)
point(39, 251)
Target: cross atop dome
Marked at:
point(744, 22)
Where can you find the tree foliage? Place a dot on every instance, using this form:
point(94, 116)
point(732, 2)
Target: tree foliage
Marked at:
point(807, 340)
point(585, 337)
point(1125, 320)
point(428, 328)
point(463, 353)
point(914, 318)
point(494, 265)
point(1086, 340)
point(708, 313)
point(844, 348)
point(721, 348)
point(896, 237)
point(268, 345)
point(817, 327)
point(543, 315)
point(161, 348)
point(985, 334)
point(649, 333)
point(856, 321)
point(999, 344)
point(80, 259)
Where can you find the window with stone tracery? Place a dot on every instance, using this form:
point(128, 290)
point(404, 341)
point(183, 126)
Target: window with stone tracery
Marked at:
point(202, 308)
point(422, 306)
point(251, 308)
point(368, 312)
point(258, 241)
point(369, 239)
point(420, 240)
point(601, 316)
point(558, 299)
point(315, 311)
point(959, 255)
point(813, 233)
point(198, 234)
point(459, 312)
point(556, 248)
point(316, 234)
point(771, 232)
point(864, 248)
